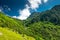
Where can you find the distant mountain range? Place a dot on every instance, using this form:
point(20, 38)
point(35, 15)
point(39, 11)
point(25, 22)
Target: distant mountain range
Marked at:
point(39, 26)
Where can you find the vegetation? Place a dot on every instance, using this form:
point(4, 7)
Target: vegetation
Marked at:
point(49, 16)
point(39, 26)
point(46, 31)
point(11, 23)
point(6, 34)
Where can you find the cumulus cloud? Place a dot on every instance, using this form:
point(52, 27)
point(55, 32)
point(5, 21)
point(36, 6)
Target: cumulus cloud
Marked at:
point(25, 13)
point(34, 3)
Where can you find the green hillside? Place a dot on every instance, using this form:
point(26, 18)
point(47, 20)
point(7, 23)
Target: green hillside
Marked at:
point(52, 15)
point(11, 23)
point(6, 34)
point(45, 25)
point(44, 31)
point(39, 26)
point(9, 26)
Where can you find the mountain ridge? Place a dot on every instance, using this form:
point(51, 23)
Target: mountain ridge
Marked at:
point(46, 16)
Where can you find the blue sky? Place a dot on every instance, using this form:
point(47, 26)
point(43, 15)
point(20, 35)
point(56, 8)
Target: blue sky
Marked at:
point(22, 9)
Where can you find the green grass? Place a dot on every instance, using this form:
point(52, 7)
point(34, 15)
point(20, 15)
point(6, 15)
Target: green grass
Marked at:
point(6, 34)
point(11, 23)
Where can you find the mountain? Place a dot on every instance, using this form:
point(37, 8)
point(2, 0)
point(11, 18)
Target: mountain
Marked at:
point(39, 26)
point(44, 25)
point(52, 15)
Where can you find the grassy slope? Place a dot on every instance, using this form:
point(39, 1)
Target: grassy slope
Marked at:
point(6, 34)
point(14, 25)
point(11, 23)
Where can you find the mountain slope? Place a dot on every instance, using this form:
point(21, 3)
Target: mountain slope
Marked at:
point(52, 15)
point(45, 25)
point(6, 34)
point(11, 23)
point(46, 31)
point(12, 29)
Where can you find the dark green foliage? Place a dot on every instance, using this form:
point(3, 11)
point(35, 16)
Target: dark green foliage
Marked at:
point(44, 25)
point(52, 15)
point(46, 31)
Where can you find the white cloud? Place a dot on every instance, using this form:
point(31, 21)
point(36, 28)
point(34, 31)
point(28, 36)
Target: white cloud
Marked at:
point(45, 1)
point(25, 13)
point(34, 3)
point(0, 10)
point(14, 16)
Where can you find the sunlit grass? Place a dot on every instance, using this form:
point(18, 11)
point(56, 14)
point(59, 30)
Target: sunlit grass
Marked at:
point(6, 34)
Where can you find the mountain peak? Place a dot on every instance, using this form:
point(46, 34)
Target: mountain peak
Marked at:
point(52, 15)
point(56, 7)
